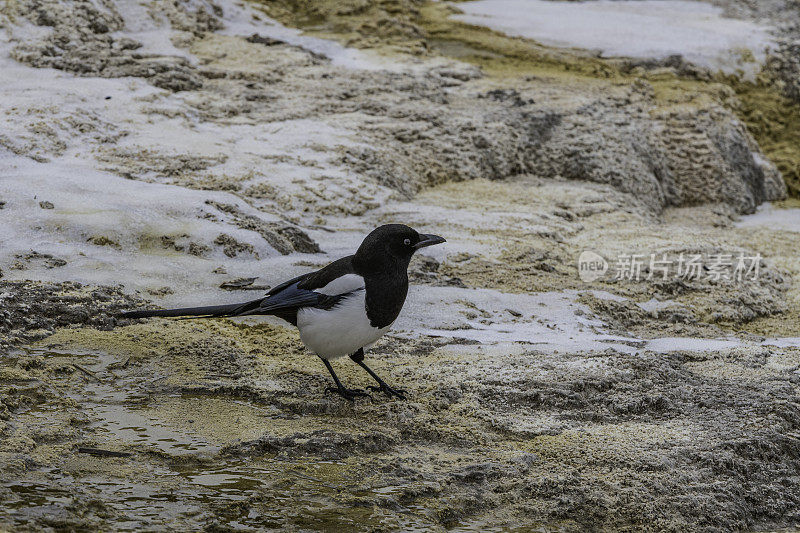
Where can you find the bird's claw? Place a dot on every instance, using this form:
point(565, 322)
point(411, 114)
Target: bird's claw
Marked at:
point(347, 394)
point(389, 391)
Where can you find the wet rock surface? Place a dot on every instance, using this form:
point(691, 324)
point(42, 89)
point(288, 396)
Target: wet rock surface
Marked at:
point(193, 152)
point(576, 439)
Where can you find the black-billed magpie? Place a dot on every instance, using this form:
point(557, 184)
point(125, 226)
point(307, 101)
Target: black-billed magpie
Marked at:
point(342, 308)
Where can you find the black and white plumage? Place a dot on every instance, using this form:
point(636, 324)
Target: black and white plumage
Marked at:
point(341, 308)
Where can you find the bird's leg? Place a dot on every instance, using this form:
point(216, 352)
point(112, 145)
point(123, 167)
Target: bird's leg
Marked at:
point(348, 394)
point(358, 358)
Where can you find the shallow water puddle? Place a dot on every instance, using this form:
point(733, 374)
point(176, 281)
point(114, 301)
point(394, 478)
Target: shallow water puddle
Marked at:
point(136, 505)
point(116, 410)
point(176, 493)
point(116, 415)
point(126, 424)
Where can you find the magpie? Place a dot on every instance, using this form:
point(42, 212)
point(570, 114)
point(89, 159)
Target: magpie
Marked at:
point(340, 309)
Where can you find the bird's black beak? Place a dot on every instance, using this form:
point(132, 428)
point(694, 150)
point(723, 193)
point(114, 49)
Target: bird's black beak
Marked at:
point(428, 240)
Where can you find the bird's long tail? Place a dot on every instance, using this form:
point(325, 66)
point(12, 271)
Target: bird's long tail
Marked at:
point(196, 312)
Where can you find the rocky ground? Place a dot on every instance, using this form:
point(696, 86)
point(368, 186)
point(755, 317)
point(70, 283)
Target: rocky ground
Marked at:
point(175, 153)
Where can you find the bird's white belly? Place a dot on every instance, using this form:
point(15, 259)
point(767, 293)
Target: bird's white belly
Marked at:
point(339, 331)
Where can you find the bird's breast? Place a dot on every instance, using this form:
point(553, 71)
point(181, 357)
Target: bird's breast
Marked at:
point(385, 299)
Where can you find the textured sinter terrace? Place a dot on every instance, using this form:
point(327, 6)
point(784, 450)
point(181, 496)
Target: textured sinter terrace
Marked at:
point(168, 153)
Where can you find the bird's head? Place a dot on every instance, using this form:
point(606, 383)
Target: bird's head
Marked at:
point(391, 245)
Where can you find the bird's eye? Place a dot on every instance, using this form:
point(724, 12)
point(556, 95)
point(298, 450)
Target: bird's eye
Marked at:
point(407, 242)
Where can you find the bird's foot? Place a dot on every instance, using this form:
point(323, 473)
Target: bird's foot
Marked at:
point(347, 394)
point(389, 391)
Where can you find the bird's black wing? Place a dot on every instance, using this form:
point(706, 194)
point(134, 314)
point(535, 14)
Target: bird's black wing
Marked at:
point(318, 278)
point(286, 299)
point(286, 303)
point(278, 288)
